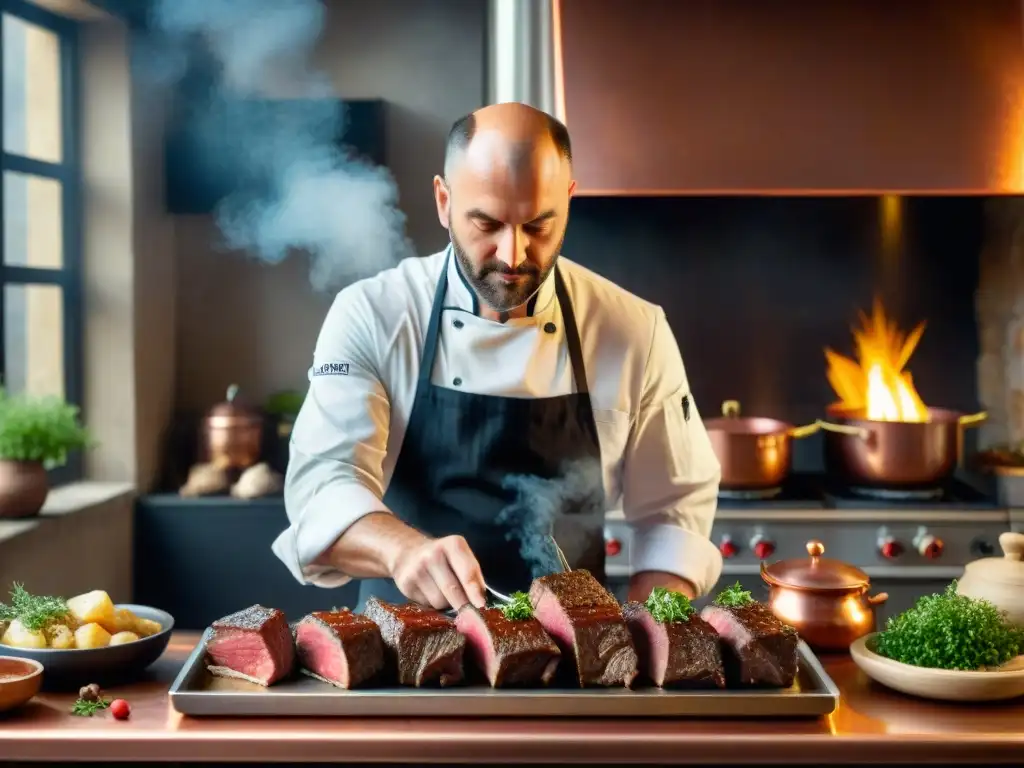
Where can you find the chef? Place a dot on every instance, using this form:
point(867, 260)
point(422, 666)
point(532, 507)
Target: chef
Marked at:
point(491, 377)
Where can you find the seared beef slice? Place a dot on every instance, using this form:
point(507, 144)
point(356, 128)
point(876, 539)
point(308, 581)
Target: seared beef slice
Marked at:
point(586, 621)
point(508, 651)
point(340, 647)
point(757, 648)
point(421, 645)
point(682, 654)
point(254, 644)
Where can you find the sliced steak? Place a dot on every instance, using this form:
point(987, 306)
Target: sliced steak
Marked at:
point(421, 646)
point(339, 647)
point(509, 652)
point(586, 622)
point(675, 654)
point(757, 648)
point(255, 645)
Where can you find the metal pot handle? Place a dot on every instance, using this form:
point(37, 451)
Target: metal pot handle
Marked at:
point(973, 420)
point(844, 429)
point(800, 432)
point(731, 409)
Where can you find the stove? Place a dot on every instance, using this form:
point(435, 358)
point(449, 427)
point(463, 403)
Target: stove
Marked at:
point(909, 544)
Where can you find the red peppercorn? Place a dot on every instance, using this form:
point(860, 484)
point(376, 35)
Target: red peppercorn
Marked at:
point(119, 709)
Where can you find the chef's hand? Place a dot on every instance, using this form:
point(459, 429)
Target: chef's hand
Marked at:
point(641, 584)
point(439, 573)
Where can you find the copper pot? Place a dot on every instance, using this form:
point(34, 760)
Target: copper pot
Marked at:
point(894, 454)
point(755, 452)
point(825, 600)
point(232, 434)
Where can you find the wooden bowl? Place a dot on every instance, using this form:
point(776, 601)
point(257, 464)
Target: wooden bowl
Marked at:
point(20, 680)
point(939, 684)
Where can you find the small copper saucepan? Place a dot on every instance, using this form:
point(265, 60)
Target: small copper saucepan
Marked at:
point(755, 452)
point(825, 600)
point(894, 454)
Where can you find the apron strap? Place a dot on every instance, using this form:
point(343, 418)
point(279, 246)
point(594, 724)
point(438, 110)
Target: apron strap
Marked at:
point(572, 335)
point(430, 343)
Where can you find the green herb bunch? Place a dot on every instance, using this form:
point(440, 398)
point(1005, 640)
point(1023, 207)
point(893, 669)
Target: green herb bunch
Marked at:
point(88, 708)
point(519, 608)
point(734, 597)
point(666, 606)
point(951, 631)
point(32, 611)
point(41, 429)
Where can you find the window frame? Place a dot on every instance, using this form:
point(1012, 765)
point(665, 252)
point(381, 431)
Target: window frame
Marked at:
point(68, 173)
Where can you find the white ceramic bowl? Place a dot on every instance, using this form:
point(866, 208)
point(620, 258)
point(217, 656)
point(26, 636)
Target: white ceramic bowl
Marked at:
point(939, 684)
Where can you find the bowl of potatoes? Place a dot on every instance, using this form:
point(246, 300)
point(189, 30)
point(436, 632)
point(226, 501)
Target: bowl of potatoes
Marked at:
point(84, 639)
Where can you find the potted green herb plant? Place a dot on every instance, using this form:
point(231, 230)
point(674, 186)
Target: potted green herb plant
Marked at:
point(36, 434)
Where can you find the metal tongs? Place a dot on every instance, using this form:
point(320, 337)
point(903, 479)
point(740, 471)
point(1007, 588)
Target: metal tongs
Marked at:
point(562, 559)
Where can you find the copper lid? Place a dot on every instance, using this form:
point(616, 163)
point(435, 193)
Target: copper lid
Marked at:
point(815, 572)
point(232, 412)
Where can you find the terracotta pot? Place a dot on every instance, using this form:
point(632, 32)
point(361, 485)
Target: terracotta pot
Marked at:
point(23, 488)
point(825, 600)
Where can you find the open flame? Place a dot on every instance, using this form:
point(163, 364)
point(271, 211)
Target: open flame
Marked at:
point(876, 383)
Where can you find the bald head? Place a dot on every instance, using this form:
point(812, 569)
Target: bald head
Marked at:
point(504, 199)
point(519, 131)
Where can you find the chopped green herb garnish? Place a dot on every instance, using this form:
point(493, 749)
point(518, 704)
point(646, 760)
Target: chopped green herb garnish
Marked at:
point(33, 612)
point(518, 608)
point(951, 631)
point(666, 606)
point(87, 708)
point(734, 597)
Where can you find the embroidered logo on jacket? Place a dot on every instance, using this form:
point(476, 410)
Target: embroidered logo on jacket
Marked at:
point(331, 369)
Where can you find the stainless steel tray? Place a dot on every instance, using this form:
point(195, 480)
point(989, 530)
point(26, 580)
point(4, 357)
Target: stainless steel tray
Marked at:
point(196, 692)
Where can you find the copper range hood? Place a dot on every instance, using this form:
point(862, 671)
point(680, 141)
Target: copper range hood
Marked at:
point(783, 98)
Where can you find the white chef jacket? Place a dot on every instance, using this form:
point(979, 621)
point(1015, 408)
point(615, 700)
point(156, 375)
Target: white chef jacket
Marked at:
point(656, 456)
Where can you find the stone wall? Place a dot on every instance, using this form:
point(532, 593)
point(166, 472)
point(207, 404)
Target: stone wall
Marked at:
point(1000, 307)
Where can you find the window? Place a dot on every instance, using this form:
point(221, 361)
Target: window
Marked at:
point(40, 246)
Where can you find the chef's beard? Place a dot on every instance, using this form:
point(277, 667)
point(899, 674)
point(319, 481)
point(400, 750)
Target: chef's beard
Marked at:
point(496, 294)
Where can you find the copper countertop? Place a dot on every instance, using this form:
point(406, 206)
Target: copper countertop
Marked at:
point(871, 724)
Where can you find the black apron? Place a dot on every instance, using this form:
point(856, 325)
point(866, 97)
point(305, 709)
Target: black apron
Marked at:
point(503, 472)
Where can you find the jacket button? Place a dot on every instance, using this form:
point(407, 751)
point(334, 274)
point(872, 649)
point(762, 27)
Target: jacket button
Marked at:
point(550, 327)
point(458, 323)
point(457, 381)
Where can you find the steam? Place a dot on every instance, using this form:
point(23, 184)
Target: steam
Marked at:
point(303, 192)
point(567, 506)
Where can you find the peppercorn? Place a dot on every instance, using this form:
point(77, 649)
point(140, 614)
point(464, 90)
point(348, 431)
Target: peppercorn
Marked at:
point(90, 692)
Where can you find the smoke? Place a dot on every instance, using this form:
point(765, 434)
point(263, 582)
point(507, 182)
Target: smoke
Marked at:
point(569, 506)
point(302, 191)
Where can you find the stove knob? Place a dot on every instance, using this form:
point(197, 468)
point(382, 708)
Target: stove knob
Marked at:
point(612, 547)
point(889, 548)
point(982, 548)
point(929, 546)
point(763, 548)
point(727, 548)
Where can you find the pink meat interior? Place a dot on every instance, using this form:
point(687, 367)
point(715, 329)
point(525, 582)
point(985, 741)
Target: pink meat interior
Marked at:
point(243, 651)
point(481, 646)
point(655, 646)
point(321, 653)
point(549, 612)
point(726, 625)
